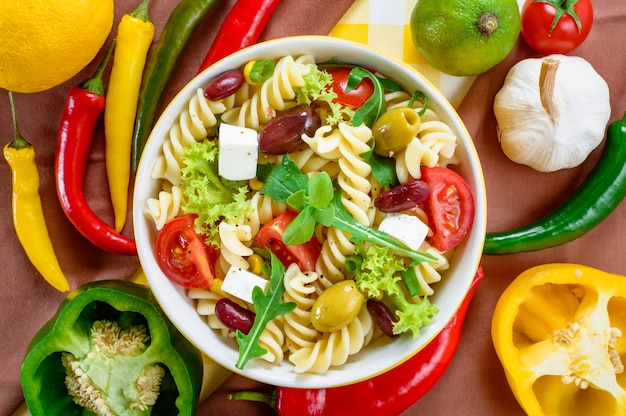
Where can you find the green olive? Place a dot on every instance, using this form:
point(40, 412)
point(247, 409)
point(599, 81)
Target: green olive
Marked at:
point(337, 306)
point(394, 129)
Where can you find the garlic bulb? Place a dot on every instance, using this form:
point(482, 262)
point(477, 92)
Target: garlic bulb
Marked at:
point(551, 112)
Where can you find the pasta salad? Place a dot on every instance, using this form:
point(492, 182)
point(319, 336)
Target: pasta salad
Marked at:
point(325, 186)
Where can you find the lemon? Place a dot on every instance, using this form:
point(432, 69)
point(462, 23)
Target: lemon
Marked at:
point(465, 37)
point(47, 42)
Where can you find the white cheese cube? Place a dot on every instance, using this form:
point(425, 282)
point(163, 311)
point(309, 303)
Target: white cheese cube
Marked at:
point(239, 283)
point(407, 229)
point(239, 152)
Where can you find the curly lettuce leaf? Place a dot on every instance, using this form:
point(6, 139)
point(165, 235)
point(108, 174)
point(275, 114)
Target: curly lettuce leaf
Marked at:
point(207, 194)
point(317, 87)
point(378, 273)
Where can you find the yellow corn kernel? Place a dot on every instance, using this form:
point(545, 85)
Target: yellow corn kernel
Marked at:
point(256, 263)
point(255, 184)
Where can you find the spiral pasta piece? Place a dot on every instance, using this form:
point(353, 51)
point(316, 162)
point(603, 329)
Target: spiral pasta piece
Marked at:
point(273, 340)
point(434, 145)
point(394, 99)
point(275, 94)
point(325, 142)
point(193, 124)
point(335, 250)
point(309, 162)
point(205, 301)
point(334, 348)
point(354, 172)
point(299, 288)
point(235, 240)
point(430, 272)
point(264, 209)
point(165, 207)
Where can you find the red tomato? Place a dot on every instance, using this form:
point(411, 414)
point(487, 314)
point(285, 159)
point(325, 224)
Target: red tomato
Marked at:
point(450, 206)
point(271, 236)
point(183, 255)
point(539, 16)
point(355, 97)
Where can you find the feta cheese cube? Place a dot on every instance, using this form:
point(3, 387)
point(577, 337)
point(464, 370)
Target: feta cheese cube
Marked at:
point(239, 283)
point(239, 152)
point(407, 229)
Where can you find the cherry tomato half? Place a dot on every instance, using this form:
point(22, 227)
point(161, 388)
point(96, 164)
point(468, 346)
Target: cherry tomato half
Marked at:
point(270, 236)
point(183, 255)
point(355, 97)
point(538, 18)
point(449, 206)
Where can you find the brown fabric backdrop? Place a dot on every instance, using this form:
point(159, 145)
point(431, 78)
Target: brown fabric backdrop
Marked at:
point(474, 383)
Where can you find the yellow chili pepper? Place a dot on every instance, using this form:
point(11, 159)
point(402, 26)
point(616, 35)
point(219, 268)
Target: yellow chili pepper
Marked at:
point(134, 36)
point(558, 330)
point(28, 219)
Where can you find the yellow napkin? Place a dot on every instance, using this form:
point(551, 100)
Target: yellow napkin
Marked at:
point(384, 25)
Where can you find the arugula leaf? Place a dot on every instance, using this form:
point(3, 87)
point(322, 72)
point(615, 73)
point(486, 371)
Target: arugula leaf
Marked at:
point(359, 233)
point(267, 306)
point(373, 106)
point(424, 99)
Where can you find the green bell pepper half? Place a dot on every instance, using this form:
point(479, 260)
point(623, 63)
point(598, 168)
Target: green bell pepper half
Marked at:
point(115, 332)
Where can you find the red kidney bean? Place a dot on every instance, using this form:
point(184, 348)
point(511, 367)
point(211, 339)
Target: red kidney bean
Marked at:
point(403, 196)
point(382, 315)
point(283, 134)
point(224, 85)
point(233, 316)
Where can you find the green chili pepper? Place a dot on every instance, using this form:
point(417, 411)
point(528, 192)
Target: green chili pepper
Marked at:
point(164, 58)
point(110, 340)
point(601, 192)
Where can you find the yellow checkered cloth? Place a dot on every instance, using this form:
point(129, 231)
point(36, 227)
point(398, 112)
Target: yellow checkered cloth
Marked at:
point(384, 25)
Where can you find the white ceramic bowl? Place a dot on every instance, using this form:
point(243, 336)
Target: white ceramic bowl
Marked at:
point(383, 353)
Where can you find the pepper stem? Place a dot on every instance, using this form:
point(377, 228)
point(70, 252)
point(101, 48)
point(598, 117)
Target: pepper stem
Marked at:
point(547, 79)
point(141, 12)
point(95, 84)
point(255, 396)
point(19, 142)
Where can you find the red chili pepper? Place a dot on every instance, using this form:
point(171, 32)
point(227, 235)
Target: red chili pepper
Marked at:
point(388, 394)
point(83, 107)
point(242, 27)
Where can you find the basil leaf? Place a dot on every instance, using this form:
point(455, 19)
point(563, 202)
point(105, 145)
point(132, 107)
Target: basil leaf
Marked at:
point(321, 190)
point(298, 200)
point(300, 229)
point(325, 216)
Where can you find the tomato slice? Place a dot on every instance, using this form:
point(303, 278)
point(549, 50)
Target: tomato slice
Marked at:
point(355, 97)
point(449, 206)
point(270, 236)
point(183, 255)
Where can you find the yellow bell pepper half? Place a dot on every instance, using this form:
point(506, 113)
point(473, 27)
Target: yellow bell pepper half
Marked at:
point(557, 330)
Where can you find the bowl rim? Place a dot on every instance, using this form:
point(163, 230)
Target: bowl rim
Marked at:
point(162, 288)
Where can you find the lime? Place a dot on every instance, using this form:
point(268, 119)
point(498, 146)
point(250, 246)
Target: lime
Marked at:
point(465, 37)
